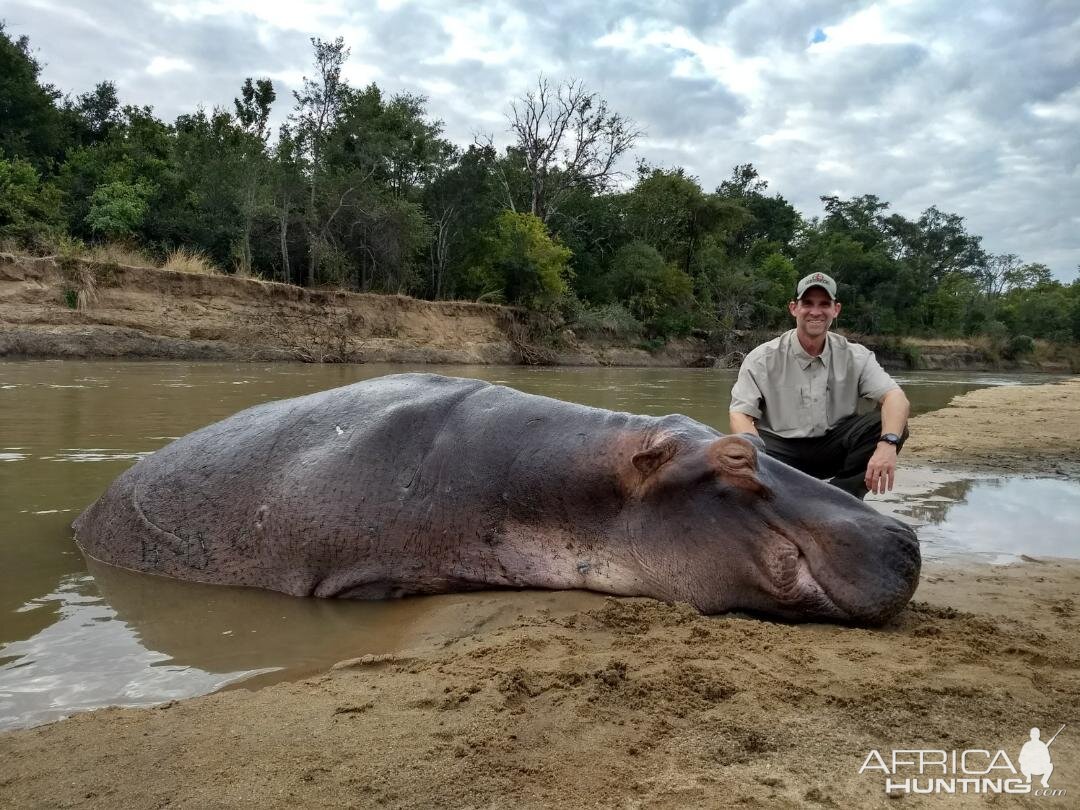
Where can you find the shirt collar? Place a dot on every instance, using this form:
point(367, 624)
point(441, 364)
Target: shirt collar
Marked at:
point(804, 360)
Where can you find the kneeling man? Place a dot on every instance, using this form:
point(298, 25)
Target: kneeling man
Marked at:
point(800, 393)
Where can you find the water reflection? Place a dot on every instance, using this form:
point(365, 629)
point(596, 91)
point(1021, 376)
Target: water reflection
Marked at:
point(212, 627)
point(932, 507)
point(88, 658)
point(1002, 519)
point(117, 637)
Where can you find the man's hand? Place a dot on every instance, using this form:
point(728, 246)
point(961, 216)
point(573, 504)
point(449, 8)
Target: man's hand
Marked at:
point(881, 470)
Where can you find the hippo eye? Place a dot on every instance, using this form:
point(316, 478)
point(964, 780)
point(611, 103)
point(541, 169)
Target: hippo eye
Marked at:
point(738, 462)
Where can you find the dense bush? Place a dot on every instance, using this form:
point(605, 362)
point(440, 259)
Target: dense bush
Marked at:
point(1018, 346)
point(609, 321)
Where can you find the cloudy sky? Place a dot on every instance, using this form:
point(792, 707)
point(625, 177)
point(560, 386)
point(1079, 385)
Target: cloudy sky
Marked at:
point(970, 105)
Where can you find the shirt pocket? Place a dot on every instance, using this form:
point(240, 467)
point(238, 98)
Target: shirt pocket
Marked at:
point(797, 412)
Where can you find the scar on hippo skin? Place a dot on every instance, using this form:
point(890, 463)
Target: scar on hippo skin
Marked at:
point(193, 554)
point(736, 462)
point(260, 518)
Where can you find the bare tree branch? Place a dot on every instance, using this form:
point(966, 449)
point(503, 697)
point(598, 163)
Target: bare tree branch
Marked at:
point(487, 141)
point(567, 138)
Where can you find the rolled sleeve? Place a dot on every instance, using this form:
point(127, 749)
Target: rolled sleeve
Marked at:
point(745, 394)
point(874, 381)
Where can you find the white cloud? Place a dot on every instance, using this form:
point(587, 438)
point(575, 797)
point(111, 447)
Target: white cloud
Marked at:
point(283, 14)
point(870, 26)
point(1065, 108)
point(476, 34)
point(972, 106)
point(696, 57)
point(160, 65)
point(835, 168)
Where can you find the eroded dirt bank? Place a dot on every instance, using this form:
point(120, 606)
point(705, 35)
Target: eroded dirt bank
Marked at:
point(628, 703)
point(140, 312)
point(55, 308)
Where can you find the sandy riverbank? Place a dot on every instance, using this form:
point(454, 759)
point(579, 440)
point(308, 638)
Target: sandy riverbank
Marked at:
point(1013, 429)
point(628, 703)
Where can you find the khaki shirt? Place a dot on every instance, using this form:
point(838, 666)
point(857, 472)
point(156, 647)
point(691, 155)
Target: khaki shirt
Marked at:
point(794, 395)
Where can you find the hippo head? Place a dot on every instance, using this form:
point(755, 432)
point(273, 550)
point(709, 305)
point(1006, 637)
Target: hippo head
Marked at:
point(758, 535)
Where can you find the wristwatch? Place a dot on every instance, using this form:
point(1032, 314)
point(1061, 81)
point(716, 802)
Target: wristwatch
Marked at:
point(891, 438)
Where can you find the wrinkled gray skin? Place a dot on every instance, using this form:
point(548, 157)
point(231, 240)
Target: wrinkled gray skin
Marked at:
point(417, 483)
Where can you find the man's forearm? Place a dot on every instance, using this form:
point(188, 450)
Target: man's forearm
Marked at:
point(894, 412)
point(742, 423)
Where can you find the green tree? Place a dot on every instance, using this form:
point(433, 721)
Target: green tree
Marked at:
point(954, 306)
point(668, 210)
point(1029, 276)
point(1042, 310)
point(316, 114)
point(94, 115)
point(776, 277)
point(1074, 310)
point(593, 227)
point(461, 202)
point(771, 219)
point(29, 208)
point(522, 264)
point(30, 123)
point(392, 139)
point(117, 209)
point(286, 189)
point(656, 292)
point(252, 113)
point(137, 152)
point(210, 157)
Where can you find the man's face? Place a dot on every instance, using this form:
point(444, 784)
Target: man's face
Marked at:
point(814, 312)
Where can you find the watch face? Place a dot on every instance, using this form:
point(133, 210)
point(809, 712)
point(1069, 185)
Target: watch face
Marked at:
point(891, 438)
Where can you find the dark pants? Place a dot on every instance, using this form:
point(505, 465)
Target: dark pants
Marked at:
point(841, 454)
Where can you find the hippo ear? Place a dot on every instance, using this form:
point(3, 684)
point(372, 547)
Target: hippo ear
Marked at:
point(652, 458)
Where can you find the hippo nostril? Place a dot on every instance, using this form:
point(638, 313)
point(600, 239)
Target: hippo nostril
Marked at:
point(904, 535)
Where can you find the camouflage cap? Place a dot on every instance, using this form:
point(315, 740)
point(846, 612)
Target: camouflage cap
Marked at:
point(816, 280)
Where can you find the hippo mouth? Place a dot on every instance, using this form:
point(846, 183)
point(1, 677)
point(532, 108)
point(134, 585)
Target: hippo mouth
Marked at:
point(799, 589)
point(794, 584)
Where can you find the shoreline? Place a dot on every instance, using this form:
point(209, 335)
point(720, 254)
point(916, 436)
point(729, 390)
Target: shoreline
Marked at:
point(632, 702)
point(58, 308)
point(1005, 429)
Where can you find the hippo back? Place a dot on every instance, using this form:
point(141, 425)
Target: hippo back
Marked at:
point(242, 501)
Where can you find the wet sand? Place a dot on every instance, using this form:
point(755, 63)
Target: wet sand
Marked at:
point(634, 703)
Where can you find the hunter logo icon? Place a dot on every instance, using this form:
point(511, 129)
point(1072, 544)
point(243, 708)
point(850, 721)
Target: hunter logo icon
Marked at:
point(968, 771)
point(1034, 757)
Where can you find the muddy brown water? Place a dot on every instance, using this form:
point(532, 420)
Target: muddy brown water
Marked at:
point(75, 636)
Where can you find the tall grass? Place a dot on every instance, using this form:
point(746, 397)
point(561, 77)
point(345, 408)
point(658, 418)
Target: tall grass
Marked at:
point(183, 260)
point(114, 253)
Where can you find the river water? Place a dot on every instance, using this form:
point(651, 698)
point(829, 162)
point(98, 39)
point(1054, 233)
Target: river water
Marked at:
point(75, 637)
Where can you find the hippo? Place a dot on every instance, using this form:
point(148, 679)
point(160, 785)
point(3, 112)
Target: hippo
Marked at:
point(423, 484)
